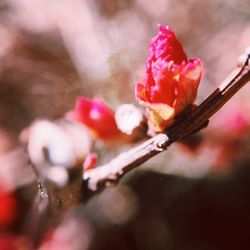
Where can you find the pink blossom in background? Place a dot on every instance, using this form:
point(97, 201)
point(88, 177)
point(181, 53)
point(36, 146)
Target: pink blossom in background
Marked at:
point(97, 116)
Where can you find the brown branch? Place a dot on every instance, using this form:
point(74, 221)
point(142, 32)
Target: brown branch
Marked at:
point(125, 162)
point(112, 171)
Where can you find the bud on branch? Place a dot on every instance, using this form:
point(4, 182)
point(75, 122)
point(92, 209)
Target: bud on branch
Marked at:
point(99, 177)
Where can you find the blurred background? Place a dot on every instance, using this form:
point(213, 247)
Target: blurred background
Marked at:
point(195, 196)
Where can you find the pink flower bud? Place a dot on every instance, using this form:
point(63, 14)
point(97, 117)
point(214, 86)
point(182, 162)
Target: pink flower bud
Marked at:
point(97, 116)
point(171, 80)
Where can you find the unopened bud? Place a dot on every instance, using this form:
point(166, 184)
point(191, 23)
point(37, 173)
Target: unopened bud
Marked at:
point(128, 118)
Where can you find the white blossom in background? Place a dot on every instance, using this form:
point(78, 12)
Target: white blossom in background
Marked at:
point(54, 147)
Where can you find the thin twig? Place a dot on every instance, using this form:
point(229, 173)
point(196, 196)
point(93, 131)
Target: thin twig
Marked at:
point(39, 207)
point(42, 191)
point(102, 176)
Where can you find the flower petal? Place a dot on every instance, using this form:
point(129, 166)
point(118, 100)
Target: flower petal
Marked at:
point(186, 89)
point(159, 115)
point(140, 92)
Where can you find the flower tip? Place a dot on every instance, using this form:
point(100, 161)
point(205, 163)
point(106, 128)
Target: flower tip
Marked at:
point(161, 26)
point(164, 29)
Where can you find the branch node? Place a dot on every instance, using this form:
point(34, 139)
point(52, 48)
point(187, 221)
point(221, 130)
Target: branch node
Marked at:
point(162, 142)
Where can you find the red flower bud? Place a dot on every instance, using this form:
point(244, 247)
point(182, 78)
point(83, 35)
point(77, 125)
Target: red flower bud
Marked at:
point(171, 80)
point(7, 208)
point(97, 116)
